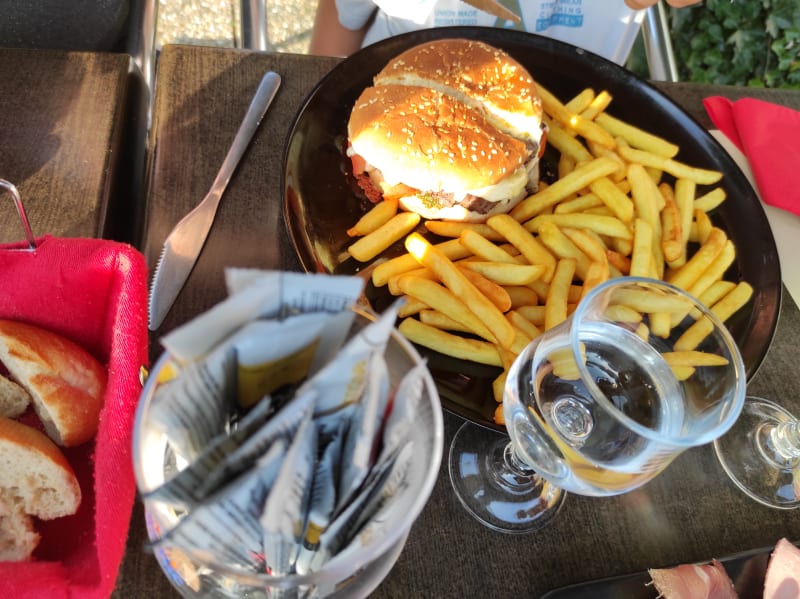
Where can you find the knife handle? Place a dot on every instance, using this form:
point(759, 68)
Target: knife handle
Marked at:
point(255, 112)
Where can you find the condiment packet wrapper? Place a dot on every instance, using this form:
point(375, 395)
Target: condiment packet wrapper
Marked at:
point(269, 294)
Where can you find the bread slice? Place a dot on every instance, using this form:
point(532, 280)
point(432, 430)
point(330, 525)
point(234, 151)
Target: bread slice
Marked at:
point(18, 538)
point(14, 399)
point(65, 382)
point(35, 477)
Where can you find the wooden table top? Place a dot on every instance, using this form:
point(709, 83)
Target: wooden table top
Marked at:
point(689, 513)
point(66, 124)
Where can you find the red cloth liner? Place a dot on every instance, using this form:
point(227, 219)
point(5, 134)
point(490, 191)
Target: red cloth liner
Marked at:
point(769, 136)
point(94, 292)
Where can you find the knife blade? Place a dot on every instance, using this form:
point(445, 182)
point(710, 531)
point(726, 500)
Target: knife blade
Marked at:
point(184, 244)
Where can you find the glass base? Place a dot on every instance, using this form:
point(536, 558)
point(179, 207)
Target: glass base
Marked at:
point(750, 459)
point(498, 493)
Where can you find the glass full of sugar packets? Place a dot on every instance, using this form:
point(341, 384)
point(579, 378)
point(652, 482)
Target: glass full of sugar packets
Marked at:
point(285, 442)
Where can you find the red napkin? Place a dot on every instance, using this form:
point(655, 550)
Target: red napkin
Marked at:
point(769, 136)
point(94, 292)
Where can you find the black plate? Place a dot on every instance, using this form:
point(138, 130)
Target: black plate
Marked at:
point(321, 201)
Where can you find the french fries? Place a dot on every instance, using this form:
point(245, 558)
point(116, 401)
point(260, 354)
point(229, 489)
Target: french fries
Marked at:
point(624, 203)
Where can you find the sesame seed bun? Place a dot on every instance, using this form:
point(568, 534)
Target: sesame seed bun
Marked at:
point(452, 128)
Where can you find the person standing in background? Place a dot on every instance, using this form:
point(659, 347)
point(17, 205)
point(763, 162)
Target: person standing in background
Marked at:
point(343, 26)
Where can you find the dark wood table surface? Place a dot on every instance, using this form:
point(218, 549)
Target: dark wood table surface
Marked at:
point(689, 513)
point(68, 141)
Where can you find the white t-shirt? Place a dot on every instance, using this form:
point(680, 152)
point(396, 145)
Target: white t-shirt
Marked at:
point(605, 27)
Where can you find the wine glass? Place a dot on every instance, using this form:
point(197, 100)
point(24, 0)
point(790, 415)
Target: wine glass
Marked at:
point(601, 404)
point(761, 453)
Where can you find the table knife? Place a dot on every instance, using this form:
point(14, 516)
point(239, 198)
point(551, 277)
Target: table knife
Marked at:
point(183, 245)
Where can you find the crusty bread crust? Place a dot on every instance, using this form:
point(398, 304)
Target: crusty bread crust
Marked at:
point(65, 382)
point(430, 140)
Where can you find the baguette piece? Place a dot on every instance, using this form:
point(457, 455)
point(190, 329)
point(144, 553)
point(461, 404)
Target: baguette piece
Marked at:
point(14, 399)
point(65, 382)
point(35, 480)
point(34, 474)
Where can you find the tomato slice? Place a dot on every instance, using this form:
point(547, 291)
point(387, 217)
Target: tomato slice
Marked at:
point(359, 164)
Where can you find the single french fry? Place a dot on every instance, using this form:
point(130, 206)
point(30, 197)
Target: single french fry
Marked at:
point(567, 144)
point(451, 248)
point(464, 348)
point(492, 290)
point(693, 358)
point(588, 242)
point(562, 247)
point(679, 170)
point(715, 270)
point(650, 302)
point(454, 279)
point(441, 299)
point(441, 321)
point(556, 303)
point(563, 188)
point(618, 176)
point(660, 324)
point(597, 105)
point(499, 416)
point(636, 137)
point(682, 373)
point(523, 324)
point(618, 261)
point(623, 313)
point(716, 292)
point(723, 309)
point(580, 203)
point(506, 274)
point(410, 307)
point(710, 200)
point(484, 249)
point(521, 295)
point(563, 363)
point(498, 384)
point(392, 285)
point(446, 228)
point(597, 273)
point(620, 204)
point(603, 225)
point(642, 254)
point(534, 252)
point(372, 244)
point(581, 102)
point(684, 200)
point(571, 121)
point(671, 236)
point(701, 227)
point(535, 314)
point(566, 164)
point(374, 218)
point(686, 275)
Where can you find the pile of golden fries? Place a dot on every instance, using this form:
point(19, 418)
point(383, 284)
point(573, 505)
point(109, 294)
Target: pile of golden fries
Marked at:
point(491, 288)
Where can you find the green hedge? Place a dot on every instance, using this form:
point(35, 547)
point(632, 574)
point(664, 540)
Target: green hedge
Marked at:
point(739, 42)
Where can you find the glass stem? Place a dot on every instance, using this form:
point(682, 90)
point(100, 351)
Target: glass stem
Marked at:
point(785, 438)
point(516, 465)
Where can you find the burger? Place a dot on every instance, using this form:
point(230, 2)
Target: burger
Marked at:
point(450, 128)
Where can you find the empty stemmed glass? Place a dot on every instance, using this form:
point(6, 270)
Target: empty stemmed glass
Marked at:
point(761, 453)
point(601, 404)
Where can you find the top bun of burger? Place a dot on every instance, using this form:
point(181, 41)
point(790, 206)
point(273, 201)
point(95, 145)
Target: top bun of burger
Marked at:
point(452, 128)
point(477, 74)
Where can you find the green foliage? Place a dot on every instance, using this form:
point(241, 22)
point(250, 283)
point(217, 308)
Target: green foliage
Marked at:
point(739, 42)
